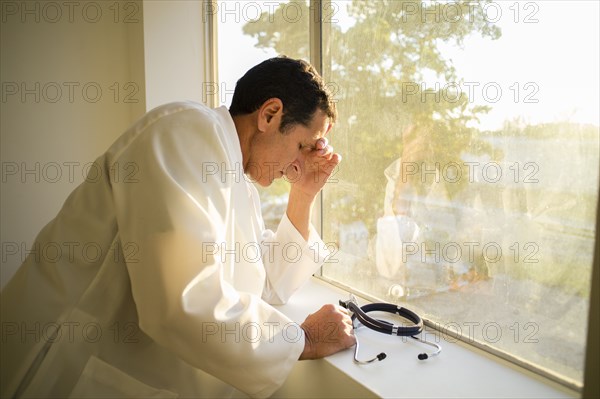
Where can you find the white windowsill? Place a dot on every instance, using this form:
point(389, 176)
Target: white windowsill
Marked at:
point(459, 371)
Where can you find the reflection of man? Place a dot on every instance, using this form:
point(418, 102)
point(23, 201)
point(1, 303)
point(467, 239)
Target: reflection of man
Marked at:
point(396, 227)
point(178, 285)
point(400, 190)
point(418, 223)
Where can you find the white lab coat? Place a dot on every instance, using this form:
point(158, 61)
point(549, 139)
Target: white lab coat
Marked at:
point(155, 275)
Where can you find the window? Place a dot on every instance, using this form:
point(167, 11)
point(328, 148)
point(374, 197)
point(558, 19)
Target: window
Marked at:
point(247, 33)
point(469, 184)
point(470, 137)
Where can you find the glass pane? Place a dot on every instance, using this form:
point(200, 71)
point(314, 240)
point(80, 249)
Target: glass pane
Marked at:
point(250, 32)
point(469, 184)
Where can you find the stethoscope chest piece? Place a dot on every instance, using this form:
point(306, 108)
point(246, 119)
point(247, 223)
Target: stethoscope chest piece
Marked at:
point(360, 313)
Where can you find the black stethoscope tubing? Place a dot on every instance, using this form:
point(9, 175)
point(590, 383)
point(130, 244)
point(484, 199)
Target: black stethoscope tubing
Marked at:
point(383, 326)
point(360, 313)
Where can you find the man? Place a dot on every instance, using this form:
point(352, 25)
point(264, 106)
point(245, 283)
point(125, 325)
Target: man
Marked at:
point(174, 291)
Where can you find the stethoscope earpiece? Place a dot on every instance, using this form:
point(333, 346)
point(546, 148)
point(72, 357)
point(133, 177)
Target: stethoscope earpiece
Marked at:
point(384, 327)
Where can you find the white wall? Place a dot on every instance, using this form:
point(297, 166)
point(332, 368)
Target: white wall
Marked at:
point(174, 51)
point(74, 76)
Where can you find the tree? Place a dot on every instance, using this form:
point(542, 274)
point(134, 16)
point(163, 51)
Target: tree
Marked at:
point(375, 66)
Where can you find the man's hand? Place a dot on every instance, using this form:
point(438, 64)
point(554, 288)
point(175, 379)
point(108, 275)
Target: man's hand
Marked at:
point(326, 332)
point(310, 174)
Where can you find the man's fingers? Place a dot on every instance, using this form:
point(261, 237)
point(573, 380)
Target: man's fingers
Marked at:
point(327, 331)
point(348, 339)
point(328, 166)
point(348, 321)
point(321, 143)
point(325, 151)
point(336, 158)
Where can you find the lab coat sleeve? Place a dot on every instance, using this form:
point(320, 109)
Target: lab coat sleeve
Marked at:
point(290, 260)
point(172, 213)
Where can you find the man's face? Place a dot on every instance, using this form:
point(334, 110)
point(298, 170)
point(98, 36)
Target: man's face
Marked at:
point(273, 154)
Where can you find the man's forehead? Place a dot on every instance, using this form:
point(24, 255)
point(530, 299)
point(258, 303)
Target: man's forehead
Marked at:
point(319, 132)
point(322, 125)
point(328, 127)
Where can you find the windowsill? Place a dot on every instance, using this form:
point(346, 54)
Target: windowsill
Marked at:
point(459, 371)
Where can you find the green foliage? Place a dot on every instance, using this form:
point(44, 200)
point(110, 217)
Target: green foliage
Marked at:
point(375, 69)
point(375, 66)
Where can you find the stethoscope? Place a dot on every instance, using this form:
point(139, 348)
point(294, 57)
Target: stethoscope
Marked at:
point(385, 327)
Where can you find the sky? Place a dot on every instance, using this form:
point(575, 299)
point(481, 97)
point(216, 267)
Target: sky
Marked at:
point(544, 68)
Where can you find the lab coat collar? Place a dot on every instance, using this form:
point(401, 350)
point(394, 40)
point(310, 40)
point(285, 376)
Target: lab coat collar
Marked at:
point(232, 137)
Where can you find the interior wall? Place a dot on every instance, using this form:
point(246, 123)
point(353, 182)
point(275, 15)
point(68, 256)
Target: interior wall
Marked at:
point(72, 76)
point(174, 51)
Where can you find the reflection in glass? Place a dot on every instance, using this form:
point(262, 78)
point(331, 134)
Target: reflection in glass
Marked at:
point(467, 190)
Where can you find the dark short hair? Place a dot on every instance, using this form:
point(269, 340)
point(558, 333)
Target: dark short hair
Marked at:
point(295, 82)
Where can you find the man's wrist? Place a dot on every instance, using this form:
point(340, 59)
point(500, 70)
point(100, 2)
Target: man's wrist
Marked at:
point(302, 197)
point(307, 353)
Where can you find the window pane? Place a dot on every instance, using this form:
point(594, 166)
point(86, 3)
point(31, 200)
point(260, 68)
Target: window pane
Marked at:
point(469, 183)
point(250, 32)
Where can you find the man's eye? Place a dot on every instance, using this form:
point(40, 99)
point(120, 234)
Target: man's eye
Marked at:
point(300, 146)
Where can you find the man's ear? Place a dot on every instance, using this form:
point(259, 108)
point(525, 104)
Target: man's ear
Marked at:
point(269, 114)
